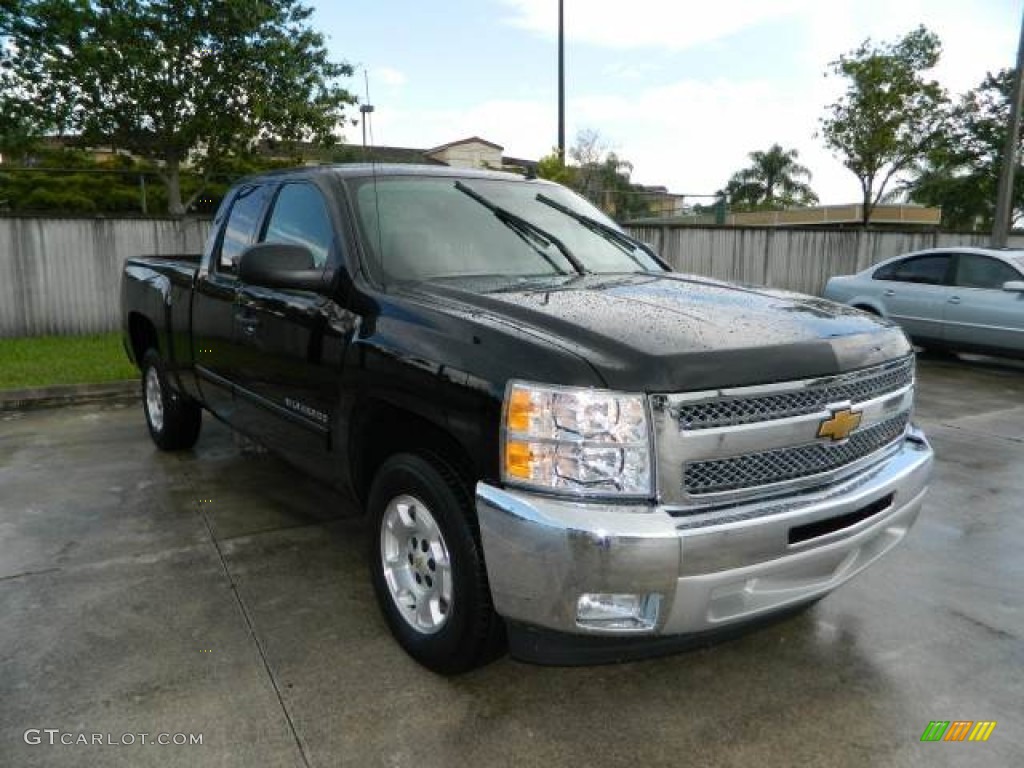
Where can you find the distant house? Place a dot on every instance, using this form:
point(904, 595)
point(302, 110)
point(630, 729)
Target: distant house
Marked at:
point(661, 202)
point(473, 152)
point(99, 154)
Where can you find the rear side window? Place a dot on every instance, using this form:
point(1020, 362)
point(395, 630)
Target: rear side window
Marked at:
point(300, 217)
point(927, 270)
point(241, 228)
point(976, 271)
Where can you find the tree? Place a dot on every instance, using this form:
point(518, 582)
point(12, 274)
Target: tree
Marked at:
point(65, 179)
point(590, 152)
point(553, 168)
point(598, 174)
point(961, 172)
point(174, 82)
point(890, 115)
point(774, 180)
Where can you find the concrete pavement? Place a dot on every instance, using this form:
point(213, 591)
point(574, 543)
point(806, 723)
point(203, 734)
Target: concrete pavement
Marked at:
point(218, 592)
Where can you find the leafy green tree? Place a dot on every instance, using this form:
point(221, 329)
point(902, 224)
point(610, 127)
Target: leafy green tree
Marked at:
point(890, 115)
point(599, 174)
point(774, 179)
point(960, 174)
point(70, 180)
point(553, 168)
point(174, 82)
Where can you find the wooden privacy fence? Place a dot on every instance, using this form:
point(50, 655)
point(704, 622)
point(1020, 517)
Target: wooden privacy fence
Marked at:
point(795, 259)
point(61, 275)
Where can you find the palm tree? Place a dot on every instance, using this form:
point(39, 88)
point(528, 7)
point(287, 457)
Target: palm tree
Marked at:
point(774, 180)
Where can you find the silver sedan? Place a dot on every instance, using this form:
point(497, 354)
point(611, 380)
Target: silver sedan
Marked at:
point(964, 299)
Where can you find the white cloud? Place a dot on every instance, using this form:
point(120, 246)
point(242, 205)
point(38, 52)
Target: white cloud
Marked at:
point(688, 135)
point(630, 71)
point(645, 23)
point(523, 126)
point(974, 40)
point(691, 134)
point(388, 76)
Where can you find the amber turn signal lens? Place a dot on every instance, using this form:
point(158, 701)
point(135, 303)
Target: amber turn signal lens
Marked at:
point(520, 406)
point(518, 459)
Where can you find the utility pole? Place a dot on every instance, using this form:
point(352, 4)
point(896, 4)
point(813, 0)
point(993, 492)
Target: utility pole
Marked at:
point(365, 110)
point(561, 80)
point(1004, 201)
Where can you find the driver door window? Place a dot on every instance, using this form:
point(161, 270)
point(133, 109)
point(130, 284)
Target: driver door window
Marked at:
point(300, 218)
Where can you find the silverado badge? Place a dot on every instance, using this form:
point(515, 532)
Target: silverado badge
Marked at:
point(839, 425)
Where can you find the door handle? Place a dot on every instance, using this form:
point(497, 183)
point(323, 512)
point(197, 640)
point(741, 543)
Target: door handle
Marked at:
point(889, 292)
point(954, 299)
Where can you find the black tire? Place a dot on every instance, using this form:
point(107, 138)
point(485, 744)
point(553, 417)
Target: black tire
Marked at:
point(173, 419)
point(470, 634)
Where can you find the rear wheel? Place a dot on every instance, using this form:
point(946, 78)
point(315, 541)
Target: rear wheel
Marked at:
point(173, 419)
point(427, 566)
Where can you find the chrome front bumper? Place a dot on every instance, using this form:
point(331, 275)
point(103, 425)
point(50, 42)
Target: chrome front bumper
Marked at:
point(710, 571)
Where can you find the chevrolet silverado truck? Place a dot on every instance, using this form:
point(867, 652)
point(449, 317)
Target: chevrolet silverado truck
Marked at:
point(563, 447)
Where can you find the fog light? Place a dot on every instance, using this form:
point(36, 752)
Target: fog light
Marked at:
point(598, 610)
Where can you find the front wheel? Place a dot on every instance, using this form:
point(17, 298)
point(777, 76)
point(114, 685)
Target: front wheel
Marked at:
point(427, 567)
point(173, 419)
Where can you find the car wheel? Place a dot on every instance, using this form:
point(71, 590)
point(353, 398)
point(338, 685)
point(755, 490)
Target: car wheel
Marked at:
point(427, 566)
point(173, 419)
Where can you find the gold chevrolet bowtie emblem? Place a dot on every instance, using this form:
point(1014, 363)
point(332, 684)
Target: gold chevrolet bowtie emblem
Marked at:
point(839, 425)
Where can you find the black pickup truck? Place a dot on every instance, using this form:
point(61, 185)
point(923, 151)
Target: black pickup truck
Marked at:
point(561, 443)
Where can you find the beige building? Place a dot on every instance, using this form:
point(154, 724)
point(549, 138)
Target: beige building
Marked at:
point(473, 152)
point(894, 216)
point(831, 215)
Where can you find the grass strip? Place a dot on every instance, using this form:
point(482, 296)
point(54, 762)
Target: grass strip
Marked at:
point(49, 361)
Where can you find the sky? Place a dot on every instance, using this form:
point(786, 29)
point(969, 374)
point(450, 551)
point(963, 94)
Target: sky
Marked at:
point(683, 90)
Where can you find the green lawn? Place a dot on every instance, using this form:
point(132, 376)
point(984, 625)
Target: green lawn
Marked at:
point(48, 361)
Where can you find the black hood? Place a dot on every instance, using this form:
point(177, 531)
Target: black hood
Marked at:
point(671, 332)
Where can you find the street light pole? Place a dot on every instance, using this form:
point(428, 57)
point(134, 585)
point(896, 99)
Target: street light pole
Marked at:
point(561, 80)
point(1004, 200)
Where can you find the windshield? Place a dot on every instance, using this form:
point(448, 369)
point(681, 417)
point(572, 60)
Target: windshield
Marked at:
point(424, 228)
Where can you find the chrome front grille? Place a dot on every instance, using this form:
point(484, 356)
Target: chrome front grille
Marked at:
point(728, 446)
point(731, 411)
point(769, 467)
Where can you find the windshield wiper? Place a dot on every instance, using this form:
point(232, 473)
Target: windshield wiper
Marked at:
point(525, 229)
point(624, 242)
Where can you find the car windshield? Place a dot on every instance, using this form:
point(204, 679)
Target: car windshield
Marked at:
point(431, 227)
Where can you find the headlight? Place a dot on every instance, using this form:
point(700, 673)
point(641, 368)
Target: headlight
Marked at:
point(577, 441)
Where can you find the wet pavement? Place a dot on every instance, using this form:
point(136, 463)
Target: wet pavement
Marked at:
point(218, 592)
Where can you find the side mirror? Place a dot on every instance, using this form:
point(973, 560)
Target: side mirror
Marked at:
point(1017, 286)
point(280, 265)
